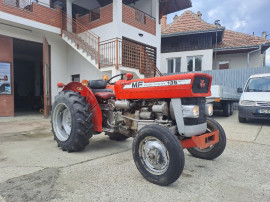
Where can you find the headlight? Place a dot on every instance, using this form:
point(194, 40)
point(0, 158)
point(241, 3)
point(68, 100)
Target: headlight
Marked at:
point(248, 103)
point(191, 111)
point(209, 109)
point(196, 111)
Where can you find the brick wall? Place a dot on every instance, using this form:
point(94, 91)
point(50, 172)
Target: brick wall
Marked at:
point(36, 12)
point(128, 16)
point(106, 16)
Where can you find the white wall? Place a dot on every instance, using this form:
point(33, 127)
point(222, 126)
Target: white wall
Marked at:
point(76, 64)
point(207, 58)
point(240, 60)
point(102, 32)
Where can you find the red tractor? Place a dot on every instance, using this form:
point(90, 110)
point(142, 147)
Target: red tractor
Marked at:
point(164, 115)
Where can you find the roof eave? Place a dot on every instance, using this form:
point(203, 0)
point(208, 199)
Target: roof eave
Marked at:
point(171, 6)
point(192, 32)
point(241, 47)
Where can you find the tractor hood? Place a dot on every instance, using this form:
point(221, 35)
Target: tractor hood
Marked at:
point(174, 86)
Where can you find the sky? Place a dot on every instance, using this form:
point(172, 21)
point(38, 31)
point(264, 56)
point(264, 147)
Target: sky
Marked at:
point(246, 16)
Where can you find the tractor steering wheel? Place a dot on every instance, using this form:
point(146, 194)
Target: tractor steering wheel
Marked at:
point(122, 75)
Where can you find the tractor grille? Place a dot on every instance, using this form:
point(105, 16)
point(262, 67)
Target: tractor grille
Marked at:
point(195, 101)
point(200, 85)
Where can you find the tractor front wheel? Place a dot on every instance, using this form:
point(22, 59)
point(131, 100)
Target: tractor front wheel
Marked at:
point(158, 155)
point(71, 121)
point(215, 150)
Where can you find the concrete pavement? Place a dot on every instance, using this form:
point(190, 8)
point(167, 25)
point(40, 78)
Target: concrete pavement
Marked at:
point(33, 168)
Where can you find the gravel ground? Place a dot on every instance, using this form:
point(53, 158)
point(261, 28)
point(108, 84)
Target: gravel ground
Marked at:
point(33, 168)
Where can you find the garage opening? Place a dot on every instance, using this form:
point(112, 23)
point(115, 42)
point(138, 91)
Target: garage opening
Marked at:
point(28, 77)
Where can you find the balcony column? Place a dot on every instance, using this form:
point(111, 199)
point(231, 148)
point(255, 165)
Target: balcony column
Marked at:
point(155, 7)
point(69, 13)
point(117, 17)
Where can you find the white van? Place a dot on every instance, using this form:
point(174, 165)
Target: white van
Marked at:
point(254, 102)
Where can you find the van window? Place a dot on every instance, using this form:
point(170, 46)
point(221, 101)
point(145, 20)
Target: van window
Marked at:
point(261, 84)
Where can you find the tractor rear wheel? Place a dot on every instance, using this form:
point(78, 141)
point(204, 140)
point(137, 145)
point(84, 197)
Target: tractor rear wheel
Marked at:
point(116, 136)
point(215, 150)
point(158, 155)
point(71, 121)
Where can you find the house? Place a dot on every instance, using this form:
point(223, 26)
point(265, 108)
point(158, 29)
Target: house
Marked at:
point(191, 44)
point(43, 42)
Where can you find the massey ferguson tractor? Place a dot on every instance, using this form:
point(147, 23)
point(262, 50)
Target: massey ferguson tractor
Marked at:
point(164, 115)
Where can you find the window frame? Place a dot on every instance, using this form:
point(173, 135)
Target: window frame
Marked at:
point(174, 64)
point(74, 76)
point(227, 61)
point(194, 62)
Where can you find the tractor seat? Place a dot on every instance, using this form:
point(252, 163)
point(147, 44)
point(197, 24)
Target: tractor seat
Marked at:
point(97, 84)
point(104, 96)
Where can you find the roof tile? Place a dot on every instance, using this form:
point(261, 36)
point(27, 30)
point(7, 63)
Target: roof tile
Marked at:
point(190, 22)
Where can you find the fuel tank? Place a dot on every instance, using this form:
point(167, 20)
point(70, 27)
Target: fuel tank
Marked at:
point(173, 86)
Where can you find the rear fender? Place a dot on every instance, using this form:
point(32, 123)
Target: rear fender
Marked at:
point(91, 99)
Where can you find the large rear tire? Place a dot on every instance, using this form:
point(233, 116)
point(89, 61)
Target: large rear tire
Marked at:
point(71, 121)
point(158, 155)
point(215, 150)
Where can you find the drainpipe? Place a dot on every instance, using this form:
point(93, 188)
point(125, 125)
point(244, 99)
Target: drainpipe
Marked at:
point(248, 54)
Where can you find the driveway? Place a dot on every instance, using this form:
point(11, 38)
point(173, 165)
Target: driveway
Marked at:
point(33, 168)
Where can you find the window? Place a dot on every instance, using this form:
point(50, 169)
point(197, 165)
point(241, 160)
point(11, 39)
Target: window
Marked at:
point(174, 65)
point(194, 63)
point(260, 84)
point(224, 64)
point(75, 77)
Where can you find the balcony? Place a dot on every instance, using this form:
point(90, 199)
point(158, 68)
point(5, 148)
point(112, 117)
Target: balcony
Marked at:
point(117, 53)
point(138, 19)
point(96, 17)
point(130, 15)
point(32, 10)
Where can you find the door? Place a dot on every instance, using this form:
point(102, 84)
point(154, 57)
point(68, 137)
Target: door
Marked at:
point(46, 78)
point(6, 77)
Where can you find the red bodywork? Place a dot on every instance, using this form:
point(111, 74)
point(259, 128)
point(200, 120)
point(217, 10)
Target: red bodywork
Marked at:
point(159, 91)
point(168, 89)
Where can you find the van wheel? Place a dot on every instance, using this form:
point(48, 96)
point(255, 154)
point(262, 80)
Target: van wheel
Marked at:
point(158, 155)
point(241, 119)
